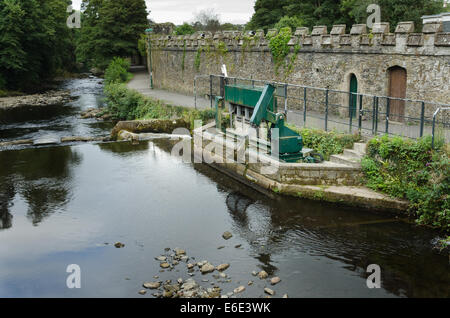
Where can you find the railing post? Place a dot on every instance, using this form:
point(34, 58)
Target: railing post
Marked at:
point(360, 113)
point(373, 115)
point(376, 114)
point(351, 112)
point(285, 99)
point(388, 110)
point(326, 110)
point(211, 89)
point(195, 92)
point(422, 119)
point(304, 107)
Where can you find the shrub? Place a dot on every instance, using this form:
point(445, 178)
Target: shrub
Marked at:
point(412, 170)
point(326, 143)
point(124, 103)
point(117, 71)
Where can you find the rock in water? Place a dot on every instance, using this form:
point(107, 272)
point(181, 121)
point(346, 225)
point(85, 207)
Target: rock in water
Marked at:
point(240, 289)
point(207, 268)
point(179, 252)
point(222, 267)
point(269, 291)
point(165, 265)
point(263, 275)
point(152, 285)
point(119, 245)
point(142, 292)
point(275, 280)
point(227, 235)
point(189, 284)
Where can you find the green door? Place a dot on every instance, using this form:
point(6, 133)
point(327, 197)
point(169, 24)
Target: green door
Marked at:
point(352, 96)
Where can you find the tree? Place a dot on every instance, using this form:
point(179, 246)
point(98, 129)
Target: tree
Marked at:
point(184, 29)
point(208, 20)
point(267, 14)
point(110, 29)
point(35, 42)
point(291, 22)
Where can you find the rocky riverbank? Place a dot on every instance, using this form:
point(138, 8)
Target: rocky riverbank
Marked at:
point(50, 98)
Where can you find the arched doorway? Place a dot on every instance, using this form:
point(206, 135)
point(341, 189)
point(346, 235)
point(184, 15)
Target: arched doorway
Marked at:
point(397, 89)
point(353, 98)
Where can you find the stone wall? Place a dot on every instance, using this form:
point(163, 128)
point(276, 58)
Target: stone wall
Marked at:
point(325, 60)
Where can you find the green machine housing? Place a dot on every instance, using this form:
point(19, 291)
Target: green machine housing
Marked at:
point(258, 104)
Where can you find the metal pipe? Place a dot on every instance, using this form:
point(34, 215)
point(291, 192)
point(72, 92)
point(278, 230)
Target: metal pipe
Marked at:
point(388, 110)
point(422, 119)
point(326, 110)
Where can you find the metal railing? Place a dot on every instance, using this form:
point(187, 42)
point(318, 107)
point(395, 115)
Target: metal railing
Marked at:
point(343, 111)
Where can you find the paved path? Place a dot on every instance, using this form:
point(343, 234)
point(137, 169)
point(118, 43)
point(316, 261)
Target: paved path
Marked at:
point(141, 83)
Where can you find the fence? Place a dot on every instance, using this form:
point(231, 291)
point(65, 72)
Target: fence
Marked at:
point(344, 111)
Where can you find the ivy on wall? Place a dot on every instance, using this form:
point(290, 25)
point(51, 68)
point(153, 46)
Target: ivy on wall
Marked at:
point(278, 45)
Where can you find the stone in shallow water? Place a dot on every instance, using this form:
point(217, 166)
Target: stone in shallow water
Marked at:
point(263, 275)
point(152, 285)
point(269, 291)
point(275, 280)
point(165, 265)
point(222, 267)
point(240, 289)
point(179, 251)
point(142, 292)
point(207, 268)
point(161, 258)
point(119, 245)
point(227, 235)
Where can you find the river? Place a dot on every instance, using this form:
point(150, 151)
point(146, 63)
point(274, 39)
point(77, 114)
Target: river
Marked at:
point(67, 205)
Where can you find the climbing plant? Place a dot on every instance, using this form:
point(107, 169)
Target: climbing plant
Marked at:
point(184, 55)
point(279, 47)
point(198, 58)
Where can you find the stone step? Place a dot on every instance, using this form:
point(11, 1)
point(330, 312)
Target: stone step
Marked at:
point(353, 154)
point(344, 160)
point(360, 147)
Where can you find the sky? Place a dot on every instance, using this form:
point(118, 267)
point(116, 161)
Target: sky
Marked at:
point(179, 11)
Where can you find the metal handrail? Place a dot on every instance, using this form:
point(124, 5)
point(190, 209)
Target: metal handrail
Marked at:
point(434, 122)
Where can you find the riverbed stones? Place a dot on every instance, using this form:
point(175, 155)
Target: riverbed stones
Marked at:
point(152, 285)
point(222, 267)
point(227, 235)
point(179, 252)
point(161, 258)
point(269, 291)
point(142, 292)
point(119, 245)
point(263, 275)
point(239, 289)
point(165, 265)
point(189, 284)
point(190, 266)
point(275, 280)
point(207, 268)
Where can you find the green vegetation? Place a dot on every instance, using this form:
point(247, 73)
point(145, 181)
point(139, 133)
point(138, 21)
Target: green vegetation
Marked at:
point(327, 143)
point(412, 170)
point(184, 29)
point(279, 47)
point(109, 29)
point(126, 104)
point(35, 42)
point(117, 71)
point(308, 13)
point(198, 59)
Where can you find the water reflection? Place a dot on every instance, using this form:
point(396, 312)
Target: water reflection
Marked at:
point(42, 178)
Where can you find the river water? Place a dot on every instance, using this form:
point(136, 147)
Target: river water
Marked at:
point(67, 205)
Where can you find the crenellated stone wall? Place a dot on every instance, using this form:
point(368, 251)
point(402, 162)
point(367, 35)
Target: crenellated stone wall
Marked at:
point(323, 59)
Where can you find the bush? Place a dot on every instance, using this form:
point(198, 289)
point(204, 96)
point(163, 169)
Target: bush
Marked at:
point(326, 143)
point(291, 22)
point(412, 170)
point(126, 104)
point(117, 71)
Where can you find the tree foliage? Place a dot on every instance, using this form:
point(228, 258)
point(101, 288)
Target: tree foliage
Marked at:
point(329, 12)
point(35, 42)
point(109, 29)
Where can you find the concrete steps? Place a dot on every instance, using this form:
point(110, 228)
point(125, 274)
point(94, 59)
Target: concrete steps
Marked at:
point(351, 157)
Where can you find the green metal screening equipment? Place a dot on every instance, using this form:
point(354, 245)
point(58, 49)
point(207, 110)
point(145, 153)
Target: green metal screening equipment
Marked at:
point(254, 105)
